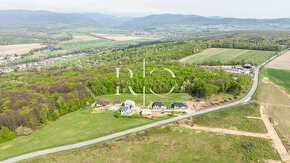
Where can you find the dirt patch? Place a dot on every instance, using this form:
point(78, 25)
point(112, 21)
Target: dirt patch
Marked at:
point(98, 110)
point(117, 37)
point(159, 114)
point(268, 81)
point(18, 49)
point(77, 38)
point(227, 131)
point(282, 62)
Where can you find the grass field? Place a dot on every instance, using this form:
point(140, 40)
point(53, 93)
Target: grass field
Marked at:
point(80, 45)
point(278, 108)
point(165, 145)
point(234, 118)
point(74, 127)
point(173, 97)
point(279, 77)
point(228, 55)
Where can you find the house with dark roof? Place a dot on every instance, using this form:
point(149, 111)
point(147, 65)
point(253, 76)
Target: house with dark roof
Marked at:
point(118, 103)
point(158, 105)
point(124, 110)
point(179, 105)
point(103, 103)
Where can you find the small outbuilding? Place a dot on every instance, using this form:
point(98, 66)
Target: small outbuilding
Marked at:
point(146, 113)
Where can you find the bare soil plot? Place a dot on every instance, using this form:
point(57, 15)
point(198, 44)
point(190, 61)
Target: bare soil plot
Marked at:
point(282, 62)
point(18, 49)
point(77, 38)
point(117, 37)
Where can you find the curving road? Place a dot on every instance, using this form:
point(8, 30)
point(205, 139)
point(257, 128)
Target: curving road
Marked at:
point(155, 124)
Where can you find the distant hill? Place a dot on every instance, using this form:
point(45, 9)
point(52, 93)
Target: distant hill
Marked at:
point(40, 18)
point(107, 20)
point(48, 20)
point(155, 20)
point(178, 19)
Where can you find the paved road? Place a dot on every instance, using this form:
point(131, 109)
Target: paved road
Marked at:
point(115, 135)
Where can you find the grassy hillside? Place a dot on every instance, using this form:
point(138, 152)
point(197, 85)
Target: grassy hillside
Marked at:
point(234, 118)
point(170, 145)
point(78, 126)
point(279, 77)
point(278, 108)
point(227, 56)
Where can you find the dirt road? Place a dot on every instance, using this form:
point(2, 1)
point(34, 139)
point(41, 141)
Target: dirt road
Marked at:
point(274, 136)
point(227, 131)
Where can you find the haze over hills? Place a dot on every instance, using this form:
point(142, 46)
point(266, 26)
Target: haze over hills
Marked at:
point(108, 20)
point(27, 18)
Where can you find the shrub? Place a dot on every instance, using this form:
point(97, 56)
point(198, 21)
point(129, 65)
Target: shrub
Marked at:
point(23, 131)
point(6, 135)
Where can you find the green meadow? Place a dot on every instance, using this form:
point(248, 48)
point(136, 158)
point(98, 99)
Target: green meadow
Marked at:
point(279, 77)
point(74, 127)
point(229, 55)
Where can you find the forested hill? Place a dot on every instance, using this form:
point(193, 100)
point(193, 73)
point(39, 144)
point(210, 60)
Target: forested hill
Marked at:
point(33, 98)
point(27, 18)
point(24, 18)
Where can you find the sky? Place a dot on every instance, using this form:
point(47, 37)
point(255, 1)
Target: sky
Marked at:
point(135, 8)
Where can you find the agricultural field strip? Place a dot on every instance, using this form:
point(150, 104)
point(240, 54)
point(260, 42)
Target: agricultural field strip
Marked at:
point(282, 62)
point(155, 124)
point(18, 48)
point(226, 55)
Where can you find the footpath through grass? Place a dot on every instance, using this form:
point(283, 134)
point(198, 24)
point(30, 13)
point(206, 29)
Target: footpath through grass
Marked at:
point(279, 77)
point(174, 144)
point(228, 55)
point(74, 127)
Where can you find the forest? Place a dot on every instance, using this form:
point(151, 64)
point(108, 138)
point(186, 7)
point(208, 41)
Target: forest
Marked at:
point(30, 99)
point(254, 40)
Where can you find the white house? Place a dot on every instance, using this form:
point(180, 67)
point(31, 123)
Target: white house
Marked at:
point(129, 103)
point(146, 113)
